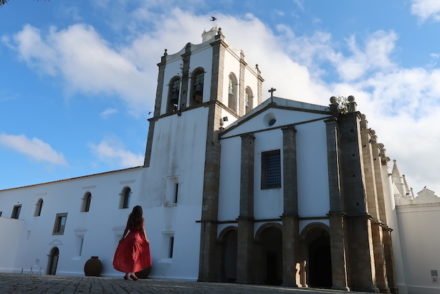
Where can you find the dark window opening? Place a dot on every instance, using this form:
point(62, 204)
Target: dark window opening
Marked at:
point(16, 211)
point(232, 92)
point(249, 100)
point(173, 95)
point(125, 198)
point(60, 223)
point(270, 169)
point(197, 81)
point(176, 192)
point(38, 207)
point(171, 248)
point(87, 200)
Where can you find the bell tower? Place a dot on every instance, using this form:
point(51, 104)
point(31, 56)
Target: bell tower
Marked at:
point(200, 90)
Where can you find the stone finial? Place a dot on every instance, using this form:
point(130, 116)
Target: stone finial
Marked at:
point(373, 136)
point(164, 56)
point(257, 68)
point(220, 34)
point(364, 122)
point(382, 153)
point(334, 105)
point(242, 54)
point(351, 105)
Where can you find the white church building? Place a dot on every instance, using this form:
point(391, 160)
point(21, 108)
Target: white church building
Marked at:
point(237, 189)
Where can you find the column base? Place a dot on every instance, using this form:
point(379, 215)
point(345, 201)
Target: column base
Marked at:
point(341, 288)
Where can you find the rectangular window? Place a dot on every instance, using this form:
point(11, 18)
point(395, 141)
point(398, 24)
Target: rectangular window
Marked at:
point(270, 169)
point(80, 243)
point(172, 193)
point(176, 192)
point(60, 224)
point(16, 211)
point(171, 247)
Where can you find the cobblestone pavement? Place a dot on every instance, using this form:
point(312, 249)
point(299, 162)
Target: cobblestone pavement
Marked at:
point(33, 284)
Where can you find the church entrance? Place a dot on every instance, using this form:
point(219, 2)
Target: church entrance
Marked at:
point(319, 258)
point(269, 260)
point(229, 253)
point(53, 261)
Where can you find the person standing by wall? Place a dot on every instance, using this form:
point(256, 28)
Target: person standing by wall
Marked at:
point(133, 252)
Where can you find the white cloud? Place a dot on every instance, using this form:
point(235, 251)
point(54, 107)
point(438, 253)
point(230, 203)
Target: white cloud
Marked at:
point(86, 62)
point(33, 148)
point(113, 152)
point(106, 113)
point(426, 9)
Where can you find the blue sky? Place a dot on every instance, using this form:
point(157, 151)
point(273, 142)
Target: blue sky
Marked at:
point(77, 78)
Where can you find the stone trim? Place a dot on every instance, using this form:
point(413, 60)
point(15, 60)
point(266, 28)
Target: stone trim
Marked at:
point(186, 58)
point(241, 85)
point(369, 170)
point(333, 162)
point(157, 107)
point(246, 218)
point(274, 105)
point(290, 229)
point(209, 248)
point(273, 128)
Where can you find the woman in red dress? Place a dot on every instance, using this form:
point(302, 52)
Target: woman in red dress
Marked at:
point(133, 252)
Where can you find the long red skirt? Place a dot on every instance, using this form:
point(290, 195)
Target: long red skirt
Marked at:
point(132, 253)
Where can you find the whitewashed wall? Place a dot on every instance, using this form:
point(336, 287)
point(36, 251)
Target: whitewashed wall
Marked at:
point(12, 232)
point(97, 226)
point(391, 213)
point(313, 194)
point(420, 243)
point(178, 156)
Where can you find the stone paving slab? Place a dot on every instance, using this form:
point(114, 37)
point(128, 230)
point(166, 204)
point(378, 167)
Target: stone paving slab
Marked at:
point(36, 284)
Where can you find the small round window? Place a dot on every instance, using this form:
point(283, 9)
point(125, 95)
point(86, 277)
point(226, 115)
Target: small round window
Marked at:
point(270, 119)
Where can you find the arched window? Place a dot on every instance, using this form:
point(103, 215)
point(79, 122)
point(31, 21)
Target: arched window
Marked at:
point(125, 198)
point(173, 94)
point(249, 100)
point(38, 207)
point(232, 92)
point(197, 80)
point(87, 200)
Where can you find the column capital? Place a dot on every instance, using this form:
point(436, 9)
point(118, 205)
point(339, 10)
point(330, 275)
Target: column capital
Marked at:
point(289, 128)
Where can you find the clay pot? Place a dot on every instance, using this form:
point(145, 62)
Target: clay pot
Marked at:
point(93, 267)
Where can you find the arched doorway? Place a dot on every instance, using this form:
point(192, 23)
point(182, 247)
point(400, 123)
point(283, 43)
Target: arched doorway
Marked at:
point(229, 255)
point(319, 268)
point(53, 261)
point(270, 251)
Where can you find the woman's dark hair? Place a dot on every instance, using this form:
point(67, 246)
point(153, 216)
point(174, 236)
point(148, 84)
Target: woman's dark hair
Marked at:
point(135, 218)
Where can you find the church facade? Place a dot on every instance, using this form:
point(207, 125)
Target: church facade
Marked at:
point(234, 189)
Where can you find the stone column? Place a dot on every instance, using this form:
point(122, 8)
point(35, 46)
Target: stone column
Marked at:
point(337, 219)
point(245, 237)
point(241, 84)
point(186, 57)
point(378, 174)
point(388, 246)
point(361, 271)
point(260, 85)
point(209, 250)
point(157, 106)
point(290, 207)
point(372, 206)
